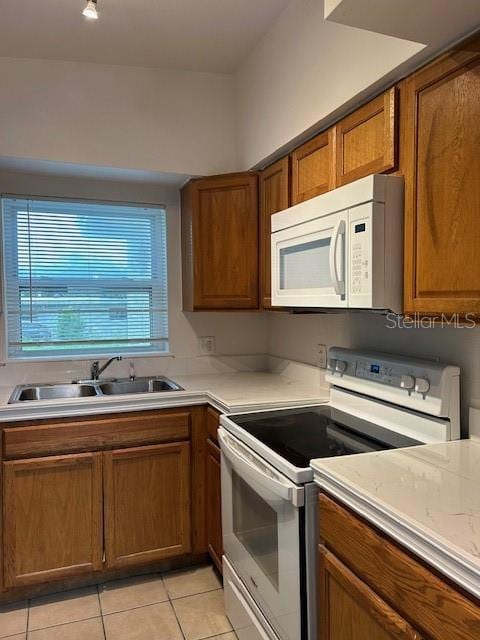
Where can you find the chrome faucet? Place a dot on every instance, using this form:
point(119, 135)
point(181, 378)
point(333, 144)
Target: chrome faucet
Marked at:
point(96, 370)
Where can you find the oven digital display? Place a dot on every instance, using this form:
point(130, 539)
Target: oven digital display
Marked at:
point(360, 227)
point(375, 368)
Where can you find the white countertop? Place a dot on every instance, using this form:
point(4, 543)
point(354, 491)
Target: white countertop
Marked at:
point(426, 497)
point(228, 392)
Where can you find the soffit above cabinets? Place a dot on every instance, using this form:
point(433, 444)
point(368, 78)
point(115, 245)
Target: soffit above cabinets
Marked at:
point(435, 23)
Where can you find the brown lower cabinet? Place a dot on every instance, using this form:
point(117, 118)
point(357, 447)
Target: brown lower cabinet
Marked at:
point(372, 588)
point(147, 503)
point(351, 610)
point(213, 499)
point(52, 518)
point(72, 513)
point(214, 504)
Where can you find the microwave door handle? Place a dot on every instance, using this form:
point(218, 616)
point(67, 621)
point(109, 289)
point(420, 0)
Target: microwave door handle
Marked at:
point(249, 470)
point(338, 284)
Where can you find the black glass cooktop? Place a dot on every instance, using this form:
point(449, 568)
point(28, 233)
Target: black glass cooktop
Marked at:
point(300, 435)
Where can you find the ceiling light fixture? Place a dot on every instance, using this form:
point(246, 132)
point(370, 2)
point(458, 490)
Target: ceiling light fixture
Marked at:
point(90, 10)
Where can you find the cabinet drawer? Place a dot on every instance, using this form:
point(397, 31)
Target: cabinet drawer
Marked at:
point(94, 433)
point(427, 601)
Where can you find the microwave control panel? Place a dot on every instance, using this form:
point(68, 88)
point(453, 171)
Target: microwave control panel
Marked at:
point(360, 256)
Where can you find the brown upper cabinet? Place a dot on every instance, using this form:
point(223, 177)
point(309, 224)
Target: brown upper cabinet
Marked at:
point(313, 167)
point(220, 242)
point(274, 191)
point(440, 140)
point(366, 140)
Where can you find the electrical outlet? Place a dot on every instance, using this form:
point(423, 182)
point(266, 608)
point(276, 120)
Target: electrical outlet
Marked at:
point(322, 356)
point(207, 345)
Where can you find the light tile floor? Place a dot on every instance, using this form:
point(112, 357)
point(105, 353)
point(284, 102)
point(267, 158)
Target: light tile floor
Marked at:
point(182, 605)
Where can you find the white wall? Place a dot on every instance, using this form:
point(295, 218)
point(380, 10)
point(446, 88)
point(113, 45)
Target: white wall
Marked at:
point(236, 333)
point(302, 71)
point(297, 337)
point(136, 118)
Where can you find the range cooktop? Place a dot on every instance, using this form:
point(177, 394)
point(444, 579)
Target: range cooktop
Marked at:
point(300, 435)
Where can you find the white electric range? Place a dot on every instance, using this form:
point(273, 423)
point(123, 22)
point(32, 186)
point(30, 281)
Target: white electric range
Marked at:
point(269, 515)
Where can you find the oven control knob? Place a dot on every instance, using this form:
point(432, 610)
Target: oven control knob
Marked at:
point(407, 382)
point(331, 364)
point(340, 366)
point(422, 385)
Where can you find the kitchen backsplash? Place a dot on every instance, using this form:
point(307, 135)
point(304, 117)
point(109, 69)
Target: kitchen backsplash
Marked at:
point(298, 336)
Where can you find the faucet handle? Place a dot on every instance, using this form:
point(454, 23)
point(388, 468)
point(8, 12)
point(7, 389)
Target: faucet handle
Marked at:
point(131, 369)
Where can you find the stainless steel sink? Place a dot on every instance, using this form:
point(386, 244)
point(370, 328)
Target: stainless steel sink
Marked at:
point(139, 385)
point(52, 392)
point(84, 389)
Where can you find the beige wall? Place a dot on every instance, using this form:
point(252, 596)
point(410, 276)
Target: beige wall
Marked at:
point(302, 71)
point(147, 119)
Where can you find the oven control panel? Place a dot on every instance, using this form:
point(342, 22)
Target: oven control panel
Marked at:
point(391, 375)
point(418, 384)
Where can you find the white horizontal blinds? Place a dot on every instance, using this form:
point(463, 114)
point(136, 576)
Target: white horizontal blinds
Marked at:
point(84, 278)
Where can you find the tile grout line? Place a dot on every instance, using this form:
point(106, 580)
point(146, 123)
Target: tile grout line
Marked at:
point(171, 600)
point(101, 614)
point(28, 619)
point(60, 624)
point(140, 606)
point(173, 609)
point(178, 621)
point(200, 593)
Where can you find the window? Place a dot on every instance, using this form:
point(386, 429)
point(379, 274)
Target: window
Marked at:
point(84, 278)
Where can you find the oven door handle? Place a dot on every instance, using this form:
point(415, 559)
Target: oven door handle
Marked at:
point(260, 472)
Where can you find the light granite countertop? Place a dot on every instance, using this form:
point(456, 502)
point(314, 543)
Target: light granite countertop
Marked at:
point(228, 392)
point(426, 497)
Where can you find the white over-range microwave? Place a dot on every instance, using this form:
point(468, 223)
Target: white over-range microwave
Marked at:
point(343, 249)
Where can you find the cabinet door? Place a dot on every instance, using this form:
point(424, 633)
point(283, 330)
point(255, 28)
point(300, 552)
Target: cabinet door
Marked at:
point(214, 504)
point(213, 422)
point(442, 169)
point(349, 609)
point(313, 167)
point(274, 187)
point(220, 243)
point(52, 518)
point(366, 140)
point(147, 503)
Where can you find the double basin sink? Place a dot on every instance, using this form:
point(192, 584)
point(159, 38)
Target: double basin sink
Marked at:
point(92, 388)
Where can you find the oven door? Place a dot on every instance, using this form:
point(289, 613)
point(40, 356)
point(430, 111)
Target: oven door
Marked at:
point(262, 514)
point(309, 263)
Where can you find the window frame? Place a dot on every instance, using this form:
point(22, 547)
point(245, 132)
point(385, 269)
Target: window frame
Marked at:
point(6, 357)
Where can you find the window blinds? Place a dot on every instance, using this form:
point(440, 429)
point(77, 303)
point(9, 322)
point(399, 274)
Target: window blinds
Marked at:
point(84, 278)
